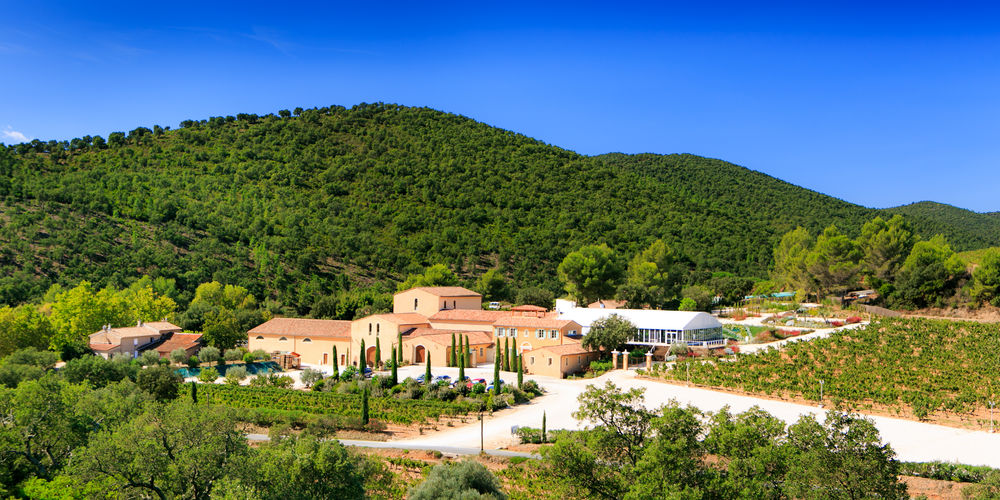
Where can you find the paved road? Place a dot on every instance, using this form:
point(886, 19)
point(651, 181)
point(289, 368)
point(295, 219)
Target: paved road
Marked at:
point(913, 441)
point(447, 450)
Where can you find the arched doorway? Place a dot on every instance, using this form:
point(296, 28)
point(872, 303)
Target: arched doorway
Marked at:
point(525, 347)
point(370, 356)
point(419, 355)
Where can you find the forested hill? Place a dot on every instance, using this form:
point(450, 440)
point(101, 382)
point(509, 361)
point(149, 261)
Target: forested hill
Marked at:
point(295, 207)
point(976, 230)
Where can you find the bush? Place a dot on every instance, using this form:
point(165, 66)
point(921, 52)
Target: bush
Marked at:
point(194, 362)
point(178, 356)
point(599, 367)
point(149, 358)
point(160, 381)
point(466, 479)
point(532, 387)
point(233, 355)
point(209, 374)
point(236, 374)
point(209, 354)
point(260, 354)
point(249, 358)
point(310, 376)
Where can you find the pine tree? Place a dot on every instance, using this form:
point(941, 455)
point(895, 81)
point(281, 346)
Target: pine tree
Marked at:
point(451, 359)
point(544, 439)
point(364, 409)
point(336, 368)
point(395, 376)
point(364, 362)
point(427, 371)
point(378, 352)
point(520, 370)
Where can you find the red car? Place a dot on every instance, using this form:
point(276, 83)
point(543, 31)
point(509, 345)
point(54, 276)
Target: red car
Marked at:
point(475, 381)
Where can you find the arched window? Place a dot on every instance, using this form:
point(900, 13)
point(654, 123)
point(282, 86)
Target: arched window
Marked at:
point(369, 328)
point(307, 339)
point(260, 337)
point(283, 339)
point(378, 326)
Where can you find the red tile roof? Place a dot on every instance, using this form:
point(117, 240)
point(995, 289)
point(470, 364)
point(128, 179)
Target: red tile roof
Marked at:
point(179, 341)
point(477, 315)
point(302, 327)
point(443, 336)
point(114, 336)
point(528, 308)
point(447, 291)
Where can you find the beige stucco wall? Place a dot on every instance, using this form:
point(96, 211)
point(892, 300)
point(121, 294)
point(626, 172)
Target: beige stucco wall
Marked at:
point(479, 353)
point(527, 338)
point(428, 303)
point(548, 364)
point(375, 327)
point(311, 352)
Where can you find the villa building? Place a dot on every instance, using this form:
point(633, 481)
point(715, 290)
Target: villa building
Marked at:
point(131, 340)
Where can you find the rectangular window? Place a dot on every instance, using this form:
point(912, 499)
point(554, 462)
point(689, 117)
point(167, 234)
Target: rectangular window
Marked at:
point(532, 360)
point(572, 332)
point(554, 334)
point(540, 333)
point(513, 332)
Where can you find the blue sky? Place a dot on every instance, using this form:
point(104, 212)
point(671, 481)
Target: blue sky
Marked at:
point(879, 104)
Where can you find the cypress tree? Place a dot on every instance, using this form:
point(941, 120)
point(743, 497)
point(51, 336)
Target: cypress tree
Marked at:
point(496, 370)
point(427, 371)
point(364, 362)
point(194, 392)
point(543, 428)
point(336, 368)
point(394, 375)
point(506, 355)
point(467, 349)
point(520, 370)
point(451, 360)
point(364, 409)
point(461, 365)
point(399, 343)
point(378, 352)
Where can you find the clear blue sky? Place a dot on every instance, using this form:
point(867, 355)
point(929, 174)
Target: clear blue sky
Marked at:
point(878, 105)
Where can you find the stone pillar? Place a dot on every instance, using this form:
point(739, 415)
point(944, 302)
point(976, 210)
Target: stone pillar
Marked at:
point(649, 361)
point(614, 360)
point(625, 360)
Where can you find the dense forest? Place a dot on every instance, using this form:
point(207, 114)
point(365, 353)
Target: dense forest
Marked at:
point(302, 205)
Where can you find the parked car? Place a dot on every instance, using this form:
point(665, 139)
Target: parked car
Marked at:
point(474, 381)
point(494, 305)
point(442, 378)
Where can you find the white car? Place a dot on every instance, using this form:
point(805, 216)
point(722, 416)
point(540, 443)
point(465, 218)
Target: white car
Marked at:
point(494, 305)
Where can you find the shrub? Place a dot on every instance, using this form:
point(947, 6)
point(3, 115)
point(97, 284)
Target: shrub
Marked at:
point(599, 367)
point(233, 355)
point(149, 358)
point(209, 354)
point(235, 375)
point(178, 355)
point(532, 387)
point(466, 479)
point(261, 354)
point(310, 376)
point(249, 358)
point(193, 362)
point(209, 374)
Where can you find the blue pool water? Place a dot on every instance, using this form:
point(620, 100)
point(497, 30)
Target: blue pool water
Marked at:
point(252, 369)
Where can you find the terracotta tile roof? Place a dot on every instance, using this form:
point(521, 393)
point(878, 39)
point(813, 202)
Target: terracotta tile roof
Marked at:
point(564, 350)
point(115, 335)
point(179, 341)
point(402, 318)
point(469, 315)
point(442, 336)
point(447, 291)
point(534, 322)
point(528, 308)
point(302, 327)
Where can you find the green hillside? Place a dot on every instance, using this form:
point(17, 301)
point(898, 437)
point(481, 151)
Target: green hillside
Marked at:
point(971, 230)
point(294, 208)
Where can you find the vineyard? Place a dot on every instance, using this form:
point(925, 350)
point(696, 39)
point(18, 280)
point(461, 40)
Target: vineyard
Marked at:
point(397, 411)
point(916, 364)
